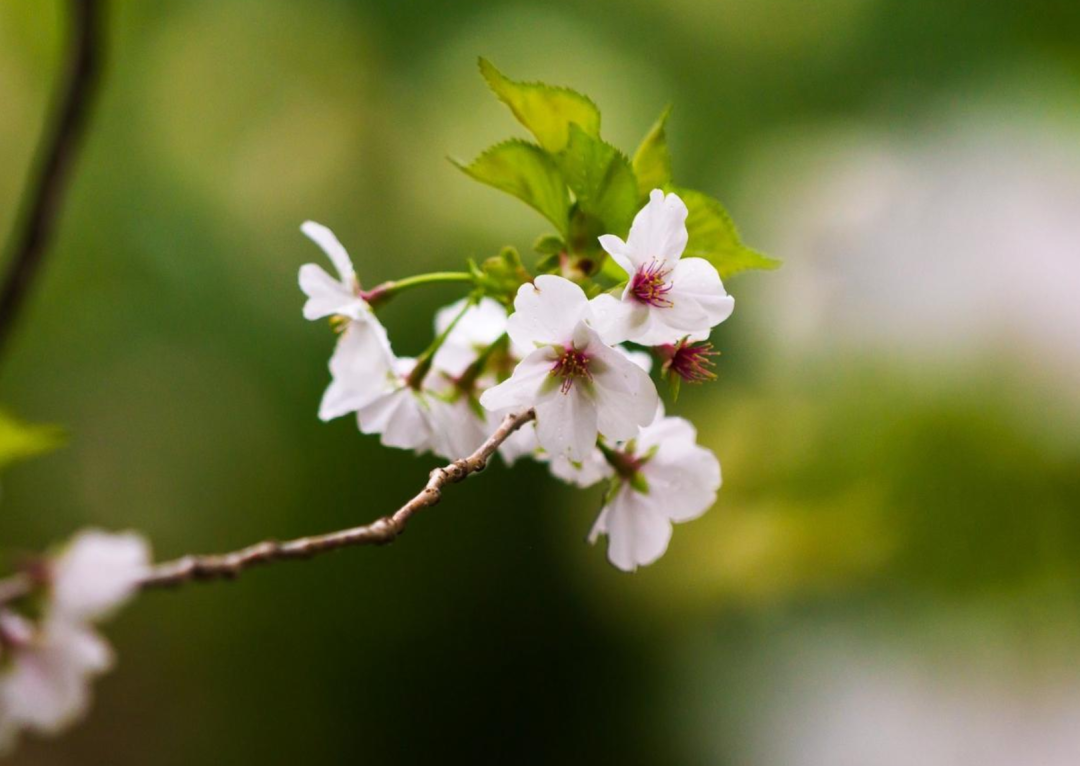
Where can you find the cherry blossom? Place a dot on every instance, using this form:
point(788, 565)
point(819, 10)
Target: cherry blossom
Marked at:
point(664, 476)
point(328, 296)
point(579, 385)
point(666, 297)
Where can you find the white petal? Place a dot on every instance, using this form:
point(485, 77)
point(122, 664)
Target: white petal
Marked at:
point(641, 359)
point(480, 326)
point(334, 250)
point(625, 394)
point(399, 420)
point(362, 366)
point(688, 486)
point(97, 572)
point(637, 534)
point(618, 320)
point(458, 430)
point(546, 311)
point(594, 468)
point(326, 296)
point(659, 230)
point(619, 252)
point(697, 279)
point(566, 423)
point(523, 387)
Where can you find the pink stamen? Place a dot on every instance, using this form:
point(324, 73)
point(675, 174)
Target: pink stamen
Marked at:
point(571, 365)
point(690, 361)
point(649, 285)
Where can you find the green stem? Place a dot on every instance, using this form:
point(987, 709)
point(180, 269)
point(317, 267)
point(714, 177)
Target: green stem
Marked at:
point(423, 362)
point(387, 290)
point(474, 370)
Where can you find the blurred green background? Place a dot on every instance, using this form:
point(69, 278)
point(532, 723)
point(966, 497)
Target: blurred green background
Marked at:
point(890, 575)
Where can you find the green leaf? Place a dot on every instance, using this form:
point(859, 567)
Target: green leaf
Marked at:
point(601, 179)
point(652, 160)
point(527, 172)
point(713, 236)
point(19, 440)
point(545, 110)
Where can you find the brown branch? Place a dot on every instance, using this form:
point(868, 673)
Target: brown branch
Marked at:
point(378, 532)
point(57, 154)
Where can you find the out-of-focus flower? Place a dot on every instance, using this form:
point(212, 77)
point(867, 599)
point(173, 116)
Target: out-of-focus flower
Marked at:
point(360, 367)
point(47, 661)
point(97, 573)
point(578, 384)
point(479, 327)
point(404, 415)
point(667, 297)
point(664, 476)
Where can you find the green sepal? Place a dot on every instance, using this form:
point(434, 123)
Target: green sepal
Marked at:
point(527, 172)
point(546, 111)
point(652, 160)
point(549, 244)
point(639, 483)
point(501, 275)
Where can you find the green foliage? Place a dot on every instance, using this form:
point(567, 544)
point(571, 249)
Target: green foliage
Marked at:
point(548, 112)
point(713, 236)
point(652, 160)
point(601, 179)
point(527, 172)
point(19, 440)
point(586, 187)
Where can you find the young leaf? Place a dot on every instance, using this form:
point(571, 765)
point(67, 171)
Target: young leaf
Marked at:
point(713, 236)
point(545, 110)
point(602, 180)
point(652, 160)
point(549, 244)
point(501, 275)
point(19, 440)
point(527, 172)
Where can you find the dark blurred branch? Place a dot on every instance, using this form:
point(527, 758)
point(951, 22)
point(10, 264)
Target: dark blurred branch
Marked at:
point(378, 532)
point(41, 206)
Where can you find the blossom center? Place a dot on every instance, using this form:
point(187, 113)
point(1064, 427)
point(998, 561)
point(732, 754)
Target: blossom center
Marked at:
point(650, 285)
point(571, 365)
point(690, 361)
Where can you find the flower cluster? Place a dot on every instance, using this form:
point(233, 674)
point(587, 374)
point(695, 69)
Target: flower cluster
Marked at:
point(49, 650)
point(558, 352)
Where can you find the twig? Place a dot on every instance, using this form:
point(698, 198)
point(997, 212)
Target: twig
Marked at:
point(43, 199)
point(378, 532)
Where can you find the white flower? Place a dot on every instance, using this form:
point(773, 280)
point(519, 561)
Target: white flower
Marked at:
point(48, 668)
point(665, 298)
point(96, 573)
point(360, 367)
point(403, 416)
point(478, 328)
point(579, 385)
point(595, 467)
point(328, 296)
point(674, 480)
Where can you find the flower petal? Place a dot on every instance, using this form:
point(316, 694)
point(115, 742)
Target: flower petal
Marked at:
point(618, 320)
point(659, 230)
point(546, 311)
point(637, 534)
point(330, 245)
point(523, 387)
point(566, 423)
point(326, 296)
point(698, 280)
point(625, 394)
point(619, 252)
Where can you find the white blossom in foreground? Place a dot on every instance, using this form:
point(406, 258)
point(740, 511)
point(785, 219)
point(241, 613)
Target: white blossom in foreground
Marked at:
point(47, 664)
point(664, 477)
point(667, 297)
point(595, 467)
point(578, 384)
point(328, 296)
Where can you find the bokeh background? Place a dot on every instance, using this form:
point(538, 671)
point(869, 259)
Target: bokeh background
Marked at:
point(890, 575)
